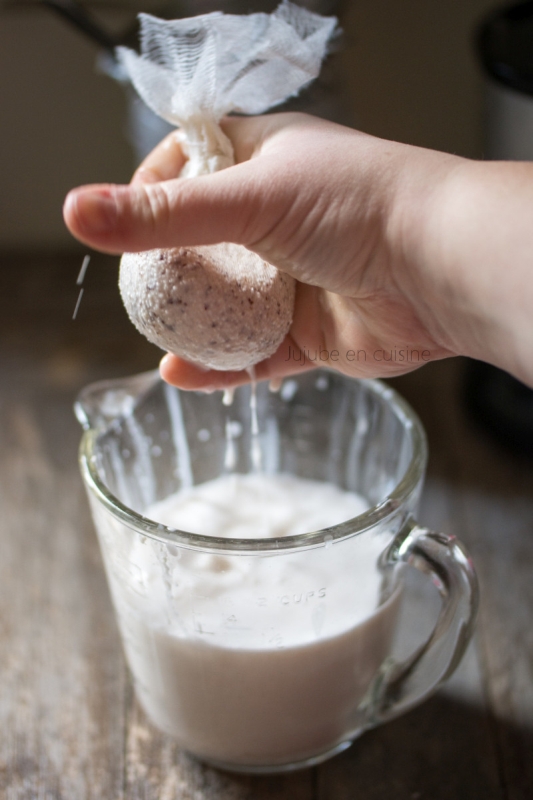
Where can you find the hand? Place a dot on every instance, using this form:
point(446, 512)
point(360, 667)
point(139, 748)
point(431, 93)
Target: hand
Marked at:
point(361, 223)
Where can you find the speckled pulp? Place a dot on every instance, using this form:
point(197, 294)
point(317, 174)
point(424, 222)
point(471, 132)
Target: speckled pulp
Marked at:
point(220, 306)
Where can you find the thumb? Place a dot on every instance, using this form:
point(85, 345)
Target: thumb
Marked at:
point(227, 206)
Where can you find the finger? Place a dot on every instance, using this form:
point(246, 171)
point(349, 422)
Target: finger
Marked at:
point(247, 135)
point(229, 206)
point(159, 210)
point(184, 375)
point(165, 161)
point(168, 158)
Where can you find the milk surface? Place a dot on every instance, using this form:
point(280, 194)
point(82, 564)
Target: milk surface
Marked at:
point(255, 660)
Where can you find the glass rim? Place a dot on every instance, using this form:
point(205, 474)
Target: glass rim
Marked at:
point(373, 516)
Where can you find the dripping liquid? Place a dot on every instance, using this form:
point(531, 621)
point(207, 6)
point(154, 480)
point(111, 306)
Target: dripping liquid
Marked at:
point(233, 430)
point(255, 443)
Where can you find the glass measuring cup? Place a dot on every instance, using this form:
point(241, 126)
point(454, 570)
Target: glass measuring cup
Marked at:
point(264, 655)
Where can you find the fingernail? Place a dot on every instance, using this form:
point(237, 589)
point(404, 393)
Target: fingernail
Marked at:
point(166, 361)
point(95, 210)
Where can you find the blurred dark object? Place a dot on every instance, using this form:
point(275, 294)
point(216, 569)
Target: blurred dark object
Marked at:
point(501, 406)
point(80, 18)
point(504, 43)
point(505, 47)
point(499, 403)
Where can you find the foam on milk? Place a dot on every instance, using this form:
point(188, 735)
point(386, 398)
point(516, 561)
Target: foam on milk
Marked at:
point(251, 660)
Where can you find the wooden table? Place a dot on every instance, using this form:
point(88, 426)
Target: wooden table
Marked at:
point(70, 727)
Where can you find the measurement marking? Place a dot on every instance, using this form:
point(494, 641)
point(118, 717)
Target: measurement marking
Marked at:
point(83, 270)
point(77, 304)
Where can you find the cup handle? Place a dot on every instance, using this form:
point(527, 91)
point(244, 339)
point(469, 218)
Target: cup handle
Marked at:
point(402, 685)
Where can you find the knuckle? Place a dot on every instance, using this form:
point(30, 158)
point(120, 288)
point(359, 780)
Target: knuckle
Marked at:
point(156, 211)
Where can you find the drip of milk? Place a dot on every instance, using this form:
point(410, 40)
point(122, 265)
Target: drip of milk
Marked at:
point(256, 455)
point(255, 659)
point(255, 443)
point(228, 395)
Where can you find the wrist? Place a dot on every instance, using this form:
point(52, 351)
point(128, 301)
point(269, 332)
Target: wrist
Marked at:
point(479, 243)
point(463, 232)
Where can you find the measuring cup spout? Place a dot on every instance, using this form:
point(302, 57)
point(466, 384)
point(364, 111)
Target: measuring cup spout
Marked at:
point(98, 404)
